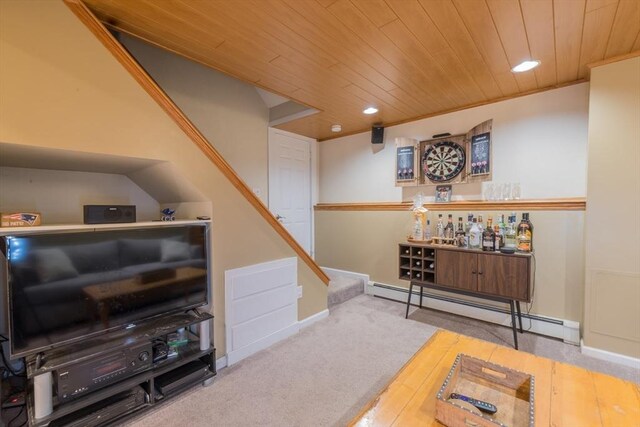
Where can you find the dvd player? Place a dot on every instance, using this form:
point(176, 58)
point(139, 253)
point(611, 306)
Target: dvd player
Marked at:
point(104, 411)
point(183, 376)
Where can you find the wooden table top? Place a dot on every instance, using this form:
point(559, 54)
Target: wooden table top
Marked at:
point(103, 291)
point(565, 395)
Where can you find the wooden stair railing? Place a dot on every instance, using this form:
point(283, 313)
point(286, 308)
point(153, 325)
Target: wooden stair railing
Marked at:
point(148, 84)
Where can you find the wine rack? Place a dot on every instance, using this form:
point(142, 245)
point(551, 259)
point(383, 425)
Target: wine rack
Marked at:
point(417, 263)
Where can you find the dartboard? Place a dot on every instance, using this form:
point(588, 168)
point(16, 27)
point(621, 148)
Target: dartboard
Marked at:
point(443, 161)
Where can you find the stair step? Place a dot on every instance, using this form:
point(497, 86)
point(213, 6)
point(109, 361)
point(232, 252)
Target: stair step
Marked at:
point(343, 288)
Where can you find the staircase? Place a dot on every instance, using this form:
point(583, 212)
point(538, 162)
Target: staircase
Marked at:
point(342, 288)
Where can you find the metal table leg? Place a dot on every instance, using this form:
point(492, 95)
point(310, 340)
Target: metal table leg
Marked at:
point(519, 315)
point(406, 316)
point(513, 324)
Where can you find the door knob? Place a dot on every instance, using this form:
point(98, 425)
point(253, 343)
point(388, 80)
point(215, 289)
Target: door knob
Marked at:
point(279, 217)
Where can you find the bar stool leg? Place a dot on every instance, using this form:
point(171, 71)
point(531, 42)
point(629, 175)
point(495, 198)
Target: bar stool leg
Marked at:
point(519, 315)
point(513, 323)
point(421, 288)
point(406, 316)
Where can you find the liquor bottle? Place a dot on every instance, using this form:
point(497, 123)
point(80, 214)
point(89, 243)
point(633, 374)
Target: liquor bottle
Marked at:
point(474, 235)
point(469, 223)
point(499, 237)
point(449, 230)
point(510, 236)
point(489, 238)
point(526, 217)
point(503, 226)
point(480, 224)
point(525, 234)
point(460, 235)
point(467, 229)
point(427, 230)
point(440, 227)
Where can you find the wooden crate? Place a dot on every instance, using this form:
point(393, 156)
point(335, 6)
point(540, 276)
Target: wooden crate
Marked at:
point(509, 390)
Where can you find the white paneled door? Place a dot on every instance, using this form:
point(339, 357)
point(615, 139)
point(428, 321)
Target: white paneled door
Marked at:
point(290, 184)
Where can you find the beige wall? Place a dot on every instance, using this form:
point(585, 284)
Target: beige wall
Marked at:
point(535, 139)
point(367, 242)
point(228, 112)
point(61, 88)
point(60, 195)
point(612, 227)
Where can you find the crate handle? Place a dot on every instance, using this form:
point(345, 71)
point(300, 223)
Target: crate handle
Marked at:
point(494, 373)
point(471, 423)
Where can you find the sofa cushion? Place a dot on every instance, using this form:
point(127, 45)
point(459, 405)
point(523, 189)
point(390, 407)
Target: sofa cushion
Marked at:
point(53, 264)
point(94, 257)
point(139, 251)
point(173, 250)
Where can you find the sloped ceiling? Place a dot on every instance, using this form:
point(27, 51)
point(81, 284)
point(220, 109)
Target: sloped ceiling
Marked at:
point(409, 58)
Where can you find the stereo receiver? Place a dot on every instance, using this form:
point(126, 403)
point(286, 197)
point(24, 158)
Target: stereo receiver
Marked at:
point(83, 377)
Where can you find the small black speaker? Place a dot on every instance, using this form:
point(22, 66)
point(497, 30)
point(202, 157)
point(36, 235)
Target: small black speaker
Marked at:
point(377, 134)
point(109, 214)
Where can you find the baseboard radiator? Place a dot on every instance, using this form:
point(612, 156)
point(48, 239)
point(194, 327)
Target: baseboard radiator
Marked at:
point(566, 330)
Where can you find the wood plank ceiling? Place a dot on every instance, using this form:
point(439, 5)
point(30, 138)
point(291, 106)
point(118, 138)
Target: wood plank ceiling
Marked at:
point(409, 58)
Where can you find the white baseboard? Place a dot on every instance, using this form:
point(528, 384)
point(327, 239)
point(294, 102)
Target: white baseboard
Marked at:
point(609, 356)
point(308, 321)
point(566, 330)
point(221, 363)
point(335, 271)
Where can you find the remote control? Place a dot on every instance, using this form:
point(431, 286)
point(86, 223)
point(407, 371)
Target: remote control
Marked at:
point(483, 406)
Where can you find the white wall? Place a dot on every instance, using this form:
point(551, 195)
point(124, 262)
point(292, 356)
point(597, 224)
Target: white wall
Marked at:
point(60, 195)
point(539, 140)
point(229, 113)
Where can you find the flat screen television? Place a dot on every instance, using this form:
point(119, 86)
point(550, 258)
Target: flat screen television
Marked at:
point(66, 287)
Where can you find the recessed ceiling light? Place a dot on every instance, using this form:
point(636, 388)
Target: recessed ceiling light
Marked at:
point(370, 110)
point(525, 66)
point(336, 128)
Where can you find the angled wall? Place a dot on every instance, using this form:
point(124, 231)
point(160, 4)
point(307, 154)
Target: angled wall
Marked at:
point(60, 88)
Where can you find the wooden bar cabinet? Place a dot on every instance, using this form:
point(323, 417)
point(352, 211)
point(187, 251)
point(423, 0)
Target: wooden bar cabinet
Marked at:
point(490, 275)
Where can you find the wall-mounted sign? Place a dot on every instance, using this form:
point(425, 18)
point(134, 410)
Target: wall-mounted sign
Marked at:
point(480, 154)
point(405, 163)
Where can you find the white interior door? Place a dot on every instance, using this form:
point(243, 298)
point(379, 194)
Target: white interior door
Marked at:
point(290, 183)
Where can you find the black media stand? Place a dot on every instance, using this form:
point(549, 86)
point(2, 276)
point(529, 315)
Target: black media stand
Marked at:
point(150, 384)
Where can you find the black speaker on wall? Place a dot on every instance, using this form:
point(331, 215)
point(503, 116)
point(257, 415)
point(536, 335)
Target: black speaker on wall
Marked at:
point(377, 134)
point(109, 214)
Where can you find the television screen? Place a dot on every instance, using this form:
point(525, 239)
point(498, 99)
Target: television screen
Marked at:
point(67, 286)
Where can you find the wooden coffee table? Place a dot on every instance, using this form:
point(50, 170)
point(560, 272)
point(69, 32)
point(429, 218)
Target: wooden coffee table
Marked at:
point(101, 293)
point(565, 395)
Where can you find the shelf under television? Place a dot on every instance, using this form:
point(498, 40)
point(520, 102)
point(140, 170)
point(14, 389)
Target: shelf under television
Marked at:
point(89, 227)
point(86, 349)
point(186, 354)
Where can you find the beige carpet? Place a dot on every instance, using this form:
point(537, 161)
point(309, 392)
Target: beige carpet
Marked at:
point(320, 377)
point(325, 374)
